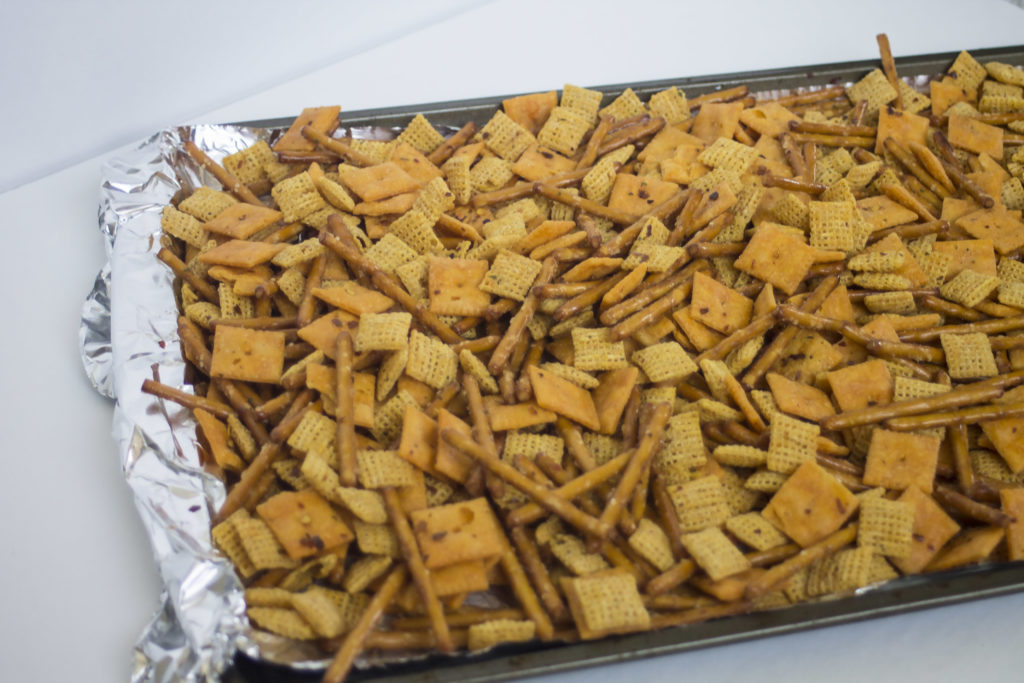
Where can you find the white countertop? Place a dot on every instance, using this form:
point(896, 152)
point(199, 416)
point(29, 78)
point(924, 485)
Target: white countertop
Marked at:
point(77, 583)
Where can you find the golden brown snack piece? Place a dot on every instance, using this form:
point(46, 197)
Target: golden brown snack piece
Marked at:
point(722, 330)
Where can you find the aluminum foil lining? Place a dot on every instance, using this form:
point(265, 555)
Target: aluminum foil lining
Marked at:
point(128, 334)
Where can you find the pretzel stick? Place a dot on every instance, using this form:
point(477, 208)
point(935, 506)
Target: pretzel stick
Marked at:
point(774, 350)
point(631, 134)
point(644, 297)
point(190, 401)
point(269, 409)
point(524, 387)
point(754, 328)
point(834, 140)
point(405, 640)
point(826, 93)
point(910, 162)
point(558, 290)
point(464, 617)
point(546, 498)
point(652, 313)
point(739, 396)
point(313, 157)
point(908, 200)
point(535, 569)
point(354, 641)
point(307, 307)
point(794, 155)
point(932, 165)
point(420, 576)
point(959, 178)
point(625, 238)
point(524, 189)
point(645, 450)
point(889, 66)
point(674, 576)
point(178, 267)
point(551, 192)
point(802, 126)
point(500, 309)
point(448, 147)
point(910, 231)
point(810, 158)
point(950, 309)
point(478, 415)
point(596, 138)
point(523, 590)
point(994, 309)
point(793, 184)
point(340, 148)
point(774, 577)
point(971, 508)
point(238, 494)
point(961, 396)
point(345, 439)
point(459, 228)
point(303, 402)
point(242, 408)
point(716, 96)
point(887, 349)
point(586, 482)
point(963, 416)
point(684, 220)
point(387, 285)
point(959, 448)
point(518, 325)
point(715, 249)
point(986, 326)
point(638, 503)
point(666, 510)
point(225, 177)
point(573, 437)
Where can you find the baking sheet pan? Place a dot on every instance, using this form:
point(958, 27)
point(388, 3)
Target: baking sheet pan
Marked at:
point(898, 596)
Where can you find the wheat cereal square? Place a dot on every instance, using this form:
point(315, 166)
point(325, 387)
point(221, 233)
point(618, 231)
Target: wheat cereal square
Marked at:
point(606, 604)
point(715, 553)
point(886, 526)
point(792, 442)
point(968, 356)
point(754, 530)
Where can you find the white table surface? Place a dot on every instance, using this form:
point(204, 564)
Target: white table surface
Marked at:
point(77, 582)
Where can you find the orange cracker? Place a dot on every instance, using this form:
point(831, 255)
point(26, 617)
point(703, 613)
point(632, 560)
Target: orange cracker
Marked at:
point(717, 306)
point(810, 505)
point(454, 286)
point(530, 111)
point(304, 523)
point(898, 460)
point(240, 254)
point(457, 532)
point(975, 136)
point(378, 182)
point(321, 119)
point(354, 298)
point(861, 385)
point(564, 398)
point(249, 355)
point(798, 398)
point(240, 221)
point(777, 257)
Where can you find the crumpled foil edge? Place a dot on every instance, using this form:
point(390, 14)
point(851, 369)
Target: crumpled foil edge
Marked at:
point(128, 334)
